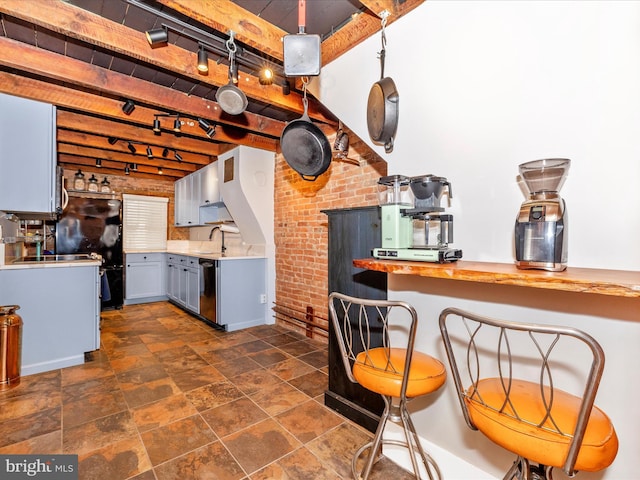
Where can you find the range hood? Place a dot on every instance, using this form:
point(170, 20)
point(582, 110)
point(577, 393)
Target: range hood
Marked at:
point(246, 186)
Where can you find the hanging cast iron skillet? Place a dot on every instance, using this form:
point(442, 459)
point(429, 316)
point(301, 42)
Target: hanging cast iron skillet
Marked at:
point(382, 106)
point(231, 99)
point(305, 147)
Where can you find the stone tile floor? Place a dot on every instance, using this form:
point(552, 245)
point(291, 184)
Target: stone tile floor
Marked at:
point(168, 397)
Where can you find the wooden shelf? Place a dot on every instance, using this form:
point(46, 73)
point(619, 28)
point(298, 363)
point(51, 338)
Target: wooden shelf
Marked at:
point(620, 283)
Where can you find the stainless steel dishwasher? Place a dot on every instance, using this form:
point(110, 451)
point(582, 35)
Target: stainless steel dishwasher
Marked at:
point(208, 286)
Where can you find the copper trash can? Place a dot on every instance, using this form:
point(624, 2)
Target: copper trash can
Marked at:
point(10, 346)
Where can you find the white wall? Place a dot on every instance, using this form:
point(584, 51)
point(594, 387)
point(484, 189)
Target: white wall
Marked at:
point(485, 86)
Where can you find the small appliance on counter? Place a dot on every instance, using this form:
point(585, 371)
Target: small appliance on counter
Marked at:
point(541, 225)
point(414, 226)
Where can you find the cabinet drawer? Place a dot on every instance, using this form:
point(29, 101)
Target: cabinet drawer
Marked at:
point(144, 257)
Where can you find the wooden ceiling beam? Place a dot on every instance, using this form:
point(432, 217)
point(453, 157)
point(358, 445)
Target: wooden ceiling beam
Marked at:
point(108, 128)
point(97, 141)
point(79, 100)
point(71, 162)
point(113, 158)
point(223, 16)
point(65, 69)
point(80, 24)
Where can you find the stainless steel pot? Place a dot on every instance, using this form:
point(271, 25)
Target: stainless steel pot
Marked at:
point(231, 99)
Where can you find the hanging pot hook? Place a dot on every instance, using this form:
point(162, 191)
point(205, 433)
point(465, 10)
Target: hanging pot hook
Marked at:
point(232, 49)
point(381, 54)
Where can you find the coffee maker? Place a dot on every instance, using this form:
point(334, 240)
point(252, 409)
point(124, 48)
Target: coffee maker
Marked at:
point(541, 226)
point(414, 226)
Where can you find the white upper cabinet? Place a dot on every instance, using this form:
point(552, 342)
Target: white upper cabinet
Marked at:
point(209, 190)
point(27, 156)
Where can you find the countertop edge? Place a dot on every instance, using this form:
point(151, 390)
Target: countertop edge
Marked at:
point(621, 283)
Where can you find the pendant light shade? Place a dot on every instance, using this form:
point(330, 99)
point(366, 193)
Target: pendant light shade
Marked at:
point(157, 36)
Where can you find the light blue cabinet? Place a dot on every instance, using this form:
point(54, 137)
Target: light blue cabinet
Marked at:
point(60, 310)
point(241, 293)
point(183, 281)
point(145, 278)
point(27, 156)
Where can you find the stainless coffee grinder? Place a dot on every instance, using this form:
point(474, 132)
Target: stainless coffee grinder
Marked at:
point(541, 226)
point(414, 226)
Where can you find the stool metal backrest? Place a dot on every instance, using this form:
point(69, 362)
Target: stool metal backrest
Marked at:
point(376, 340)
point(514, 355)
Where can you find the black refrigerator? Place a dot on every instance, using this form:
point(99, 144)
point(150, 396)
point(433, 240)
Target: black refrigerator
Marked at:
point(94, 225)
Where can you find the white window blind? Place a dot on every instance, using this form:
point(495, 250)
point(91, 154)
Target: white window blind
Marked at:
point(144, 222)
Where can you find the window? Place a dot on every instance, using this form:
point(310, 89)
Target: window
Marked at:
point(144, 222)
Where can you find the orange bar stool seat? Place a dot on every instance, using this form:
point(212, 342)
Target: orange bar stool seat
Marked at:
point(393, 369)
point(507, 376)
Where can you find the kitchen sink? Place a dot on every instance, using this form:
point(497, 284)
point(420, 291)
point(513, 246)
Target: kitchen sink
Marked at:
point(57, 258)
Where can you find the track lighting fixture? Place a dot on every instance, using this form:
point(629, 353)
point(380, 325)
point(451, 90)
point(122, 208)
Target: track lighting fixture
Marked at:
point(177, 156)
point(265, 77)
point(128, 107)
point(134, 167)
point(157, 36)
point(126, 169)
point(131, 148)
point(160, 172)
point(177, 124)
point(98, 162)
point(112, 140)
point(286, 88)
point(165, 152)
point(156, 126)
point(203, 60)
point(149, 153)
point(206, 126)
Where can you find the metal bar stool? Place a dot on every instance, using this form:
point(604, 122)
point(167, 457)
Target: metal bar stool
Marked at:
point(392, 369)
point(506, 376)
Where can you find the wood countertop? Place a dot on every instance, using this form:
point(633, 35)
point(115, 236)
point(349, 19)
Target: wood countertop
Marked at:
point(620, 283)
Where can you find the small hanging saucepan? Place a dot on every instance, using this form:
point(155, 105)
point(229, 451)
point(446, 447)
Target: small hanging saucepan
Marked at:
point(382, 105)
point(231, 99)
point(304, 145)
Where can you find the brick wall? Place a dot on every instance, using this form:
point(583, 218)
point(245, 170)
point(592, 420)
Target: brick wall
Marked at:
point(301, 229)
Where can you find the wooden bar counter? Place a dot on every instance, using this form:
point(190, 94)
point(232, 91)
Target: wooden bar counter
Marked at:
point(620, 283)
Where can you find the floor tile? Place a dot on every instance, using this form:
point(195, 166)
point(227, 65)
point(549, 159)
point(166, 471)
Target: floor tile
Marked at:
point(162, 412)
point(120, 460)
point(278, 398)
point(290, 368)
point(209, 462)
point(14, 430)
point(255, 380)
point(213, 395)
point(233, 416)
point(258, 445)
point(98, 433)
point(313, 384)
point(299, 465)
point(309, 420)
point(177, 438)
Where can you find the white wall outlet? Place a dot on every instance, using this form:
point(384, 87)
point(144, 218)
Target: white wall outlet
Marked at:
point(263, 298)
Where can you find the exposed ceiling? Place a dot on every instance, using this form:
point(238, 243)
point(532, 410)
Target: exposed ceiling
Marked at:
point(88, 57)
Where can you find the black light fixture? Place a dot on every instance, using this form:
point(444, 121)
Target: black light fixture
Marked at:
point(128, 107)
point(286, 88)
point(203, 60)
point(156, 126)
point(165, 152)
point(126, 169)
point(265, 77)
point(112, 140)
point(177, 156)
point(160, 172)
point(177, 124)
point(134, 167)
point(206, 126)
point(98, 162)
point(131, 148)
point(157, 36)
point(149, 152)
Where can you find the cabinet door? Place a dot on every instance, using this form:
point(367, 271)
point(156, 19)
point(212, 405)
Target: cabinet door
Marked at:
point(210, 191)
point(193, 289)
point(144, 277)
point(193, 184)
point(180, 208)
point(27, 155)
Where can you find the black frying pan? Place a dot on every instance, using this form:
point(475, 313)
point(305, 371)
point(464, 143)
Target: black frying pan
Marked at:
point(382, 105)
point(305, 147)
